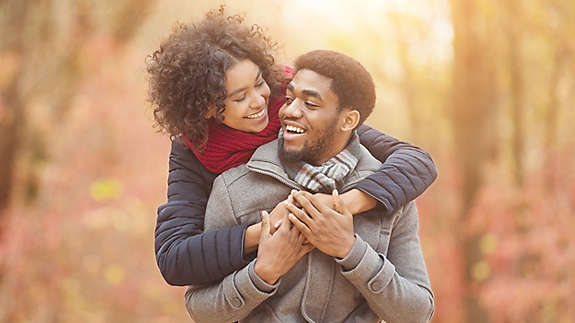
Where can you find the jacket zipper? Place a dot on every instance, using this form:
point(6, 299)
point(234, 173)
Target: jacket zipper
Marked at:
point(276, 176)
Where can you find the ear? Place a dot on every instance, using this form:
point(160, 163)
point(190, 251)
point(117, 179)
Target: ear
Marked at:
point(350, 119)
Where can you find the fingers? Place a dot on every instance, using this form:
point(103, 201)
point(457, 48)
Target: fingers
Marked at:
point(275, 227)
point(305, 200)
point(305, 248)
point(321, 205)
point(265, 223)
point(284, 226)
point(279, 212)
point(290, 198)
point(299, 225)
point(300, 238)
point(337, 202)
point(294, 236)
point(300, 214)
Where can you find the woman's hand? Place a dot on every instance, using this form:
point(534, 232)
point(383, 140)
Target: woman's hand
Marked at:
point(278, 252)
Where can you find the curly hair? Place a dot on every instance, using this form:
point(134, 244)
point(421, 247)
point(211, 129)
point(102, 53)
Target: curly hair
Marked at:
point(351, 82)
point(187, 73)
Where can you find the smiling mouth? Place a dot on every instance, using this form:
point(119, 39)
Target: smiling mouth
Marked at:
point(294, 130)
point(257, 115)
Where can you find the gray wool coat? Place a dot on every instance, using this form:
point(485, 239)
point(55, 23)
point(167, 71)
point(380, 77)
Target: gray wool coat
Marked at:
point(384, 276)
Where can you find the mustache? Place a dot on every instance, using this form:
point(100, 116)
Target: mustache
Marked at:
point(288, 119)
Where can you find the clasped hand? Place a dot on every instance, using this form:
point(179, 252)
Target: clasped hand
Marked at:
point(328, 229)
point(281, 245)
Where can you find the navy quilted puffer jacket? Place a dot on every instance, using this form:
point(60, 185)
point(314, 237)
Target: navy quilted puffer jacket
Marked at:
point(188, 256)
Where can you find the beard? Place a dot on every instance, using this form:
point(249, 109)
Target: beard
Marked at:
point(311, 151)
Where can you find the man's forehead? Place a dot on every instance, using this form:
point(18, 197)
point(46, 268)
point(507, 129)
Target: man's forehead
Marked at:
point(308, 80)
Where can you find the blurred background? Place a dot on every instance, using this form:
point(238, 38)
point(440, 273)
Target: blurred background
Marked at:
point(486, 86)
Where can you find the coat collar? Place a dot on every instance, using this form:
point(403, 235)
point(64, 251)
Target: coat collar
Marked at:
point(266, 160)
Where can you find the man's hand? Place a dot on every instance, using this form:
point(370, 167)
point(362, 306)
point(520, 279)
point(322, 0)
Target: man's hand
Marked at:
point(355, 200)
point(329, 230)
point(278, 252)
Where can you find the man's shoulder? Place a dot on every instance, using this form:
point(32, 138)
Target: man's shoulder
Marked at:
point(409, 208)
point(366, 165)
point(267, 152)
point(232, 175)
point(407, 212)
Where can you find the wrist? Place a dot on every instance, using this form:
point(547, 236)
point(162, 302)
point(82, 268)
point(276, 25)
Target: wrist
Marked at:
point(252, 238)
point(346, 248)
point(358, 201)
point(265, 272)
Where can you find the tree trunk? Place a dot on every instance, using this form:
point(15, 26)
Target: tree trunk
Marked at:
point(513, 33)
point(408, 86)
point(471, 114)
point(11, 104)
point(551, 123)
point(10, 131)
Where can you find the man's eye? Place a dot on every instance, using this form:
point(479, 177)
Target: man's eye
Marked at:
point(288, 100)
point(311, 104)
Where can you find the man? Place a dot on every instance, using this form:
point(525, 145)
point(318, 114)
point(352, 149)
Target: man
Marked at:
point(365, 268)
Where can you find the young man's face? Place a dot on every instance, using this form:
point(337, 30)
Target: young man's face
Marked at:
point(310, 119)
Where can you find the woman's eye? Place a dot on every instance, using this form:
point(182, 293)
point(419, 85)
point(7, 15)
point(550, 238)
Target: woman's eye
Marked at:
point(240, 99)
point(260, 83)
point(288, 100)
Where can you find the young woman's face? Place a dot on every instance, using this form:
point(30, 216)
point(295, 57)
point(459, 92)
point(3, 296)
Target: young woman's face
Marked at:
point(247, 98)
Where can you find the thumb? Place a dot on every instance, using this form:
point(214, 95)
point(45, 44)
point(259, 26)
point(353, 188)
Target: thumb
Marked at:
point(265, 223)
point(337, 202)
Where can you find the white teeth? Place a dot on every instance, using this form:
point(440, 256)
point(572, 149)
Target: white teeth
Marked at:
point(257, 115)
point(294, 129)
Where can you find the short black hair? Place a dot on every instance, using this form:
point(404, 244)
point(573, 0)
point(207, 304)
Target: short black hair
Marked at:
point(351, 82)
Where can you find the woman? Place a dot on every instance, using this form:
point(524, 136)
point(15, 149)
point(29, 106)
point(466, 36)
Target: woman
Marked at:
point(206, 97)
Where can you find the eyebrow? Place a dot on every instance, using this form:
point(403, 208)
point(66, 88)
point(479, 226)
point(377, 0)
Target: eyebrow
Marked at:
point(245, 87)
point(315, 94)
point(312, 93)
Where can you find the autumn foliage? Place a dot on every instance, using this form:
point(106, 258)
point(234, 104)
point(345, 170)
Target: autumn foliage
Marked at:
point(490, 96)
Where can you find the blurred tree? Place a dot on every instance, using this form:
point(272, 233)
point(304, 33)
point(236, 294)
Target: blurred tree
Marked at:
point(559, 28)
point(43, 57)
point(472, 110)
point(408, 83)
point(11, 115)
point(513, 32)
point(508, 249)
point(42, 47)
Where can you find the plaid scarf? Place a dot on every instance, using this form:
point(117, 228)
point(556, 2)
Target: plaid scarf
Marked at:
point(329, 175)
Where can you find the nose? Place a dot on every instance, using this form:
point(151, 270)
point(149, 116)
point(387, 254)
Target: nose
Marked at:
point(291, 110)
point(257, 100)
